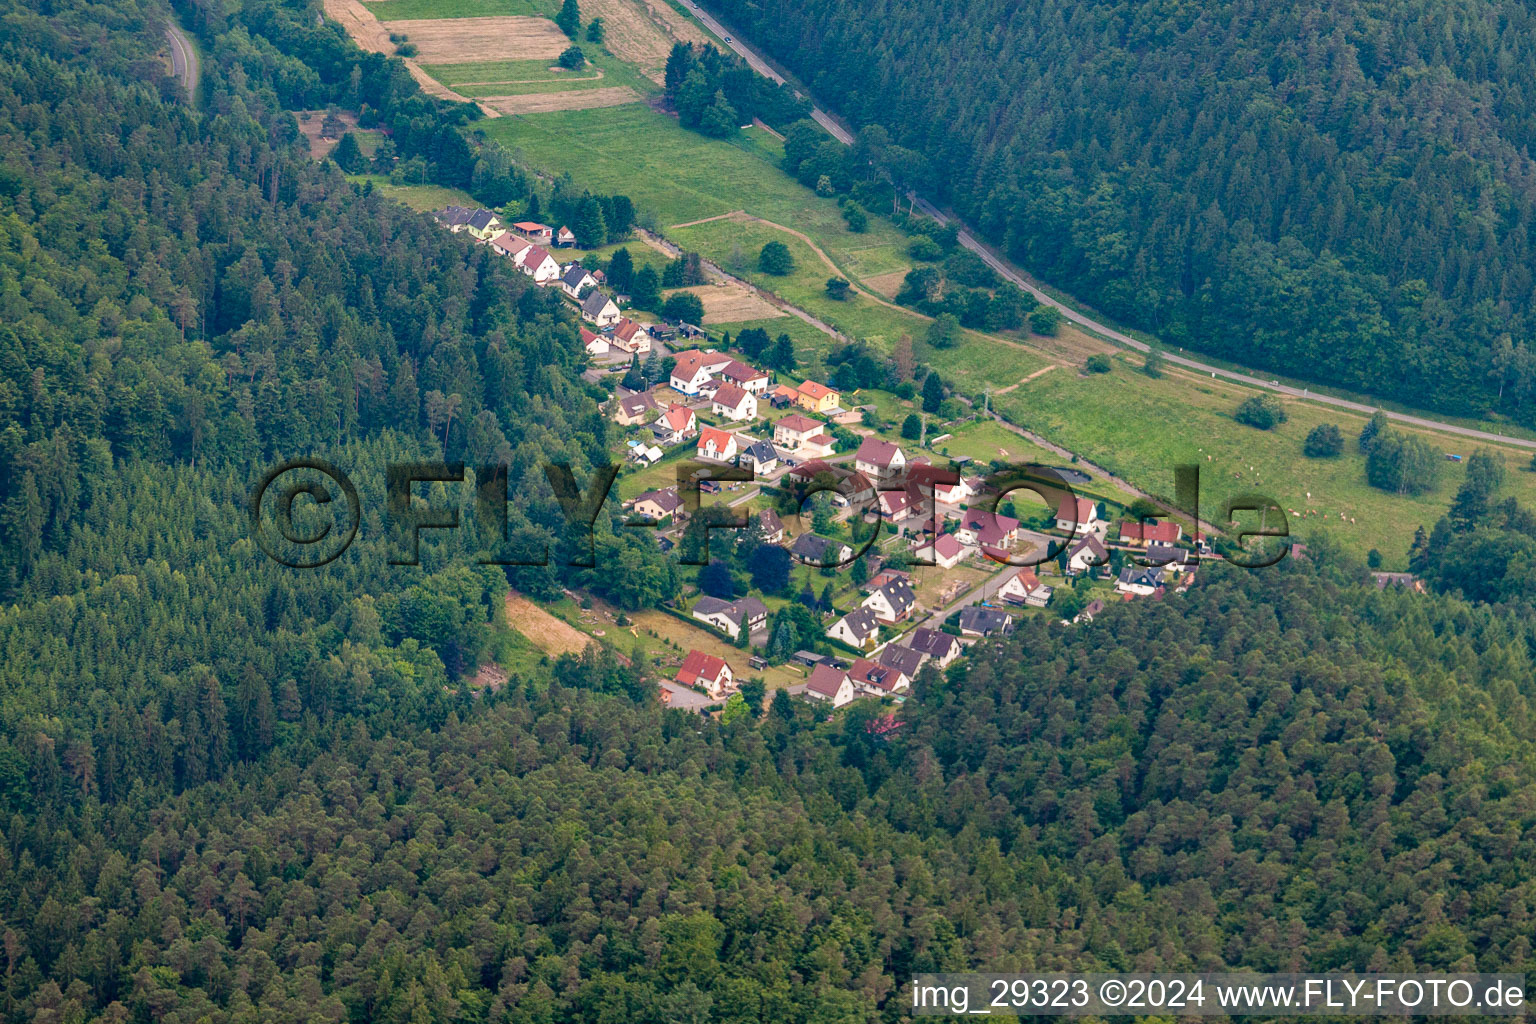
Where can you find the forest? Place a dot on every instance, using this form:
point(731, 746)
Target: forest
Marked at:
point(231, 791)
point(1342, 192)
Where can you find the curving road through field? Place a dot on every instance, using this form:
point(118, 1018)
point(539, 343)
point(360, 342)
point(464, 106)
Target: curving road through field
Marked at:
point(183, 58)
point(1008, 272)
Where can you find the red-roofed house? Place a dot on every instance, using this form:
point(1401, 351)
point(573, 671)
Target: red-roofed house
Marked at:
point(829, 684)
point(716, 445)
point(1157, 531)
point(1024, 587)
point(895, 505)
point(595, 344)
point(565, 237)
point(946, 552)
point(748, 378)
point(1087, 518)
point(677, 423)
point(539, 265)
point(694, 369)
point(509, 245)
point(879, 460)
point(734, 403)
point(876, 679)
point(814, 397)
point(631, 337)
point(708, 671)
point(987, 529)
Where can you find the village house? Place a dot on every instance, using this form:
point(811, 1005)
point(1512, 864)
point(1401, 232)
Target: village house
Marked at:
point(646, 455)
point(876, 679)
point(733, 403)
point(509, 245)
point(596, 345)
point(859, 629)
point(760, 457)
point(730, 617)
point(1152, 531)
point(534, 231)
point(773, 526)
point(675, 425)
point(716, 445)
point(987, 529)
point(814, 397)
point(1024, 587)
point(903, 659)
point(1167, 555)
point(748, 378)
point(575, 278)
point(599, 308)
point(850, 487)
point(565, 237)
point(945, 552)
point(1093, 609)
point(782, 396)
point(484, 225)
point(631, 408)
point(631, 337)
point(978, 621)
point(895, 506)
point(941, 648)
point(1085, 554)
point(821, 551)
point(891, 603)
point(879, 460)
point(791, 432)
point(829, 684)
point(454, 218)
point(694, 369)
point(708, 671)
point(1082, 517)
point(659, 505)
point(539, 265)
point(1139, 581)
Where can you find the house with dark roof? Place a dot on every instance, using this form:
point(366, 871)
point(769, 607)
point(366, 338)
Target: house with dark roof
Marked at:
point(574, 278)
point(1090, 611)
point(483, 224)
point(978, 621)
point(892, 602)
point(659, 504)
point(903, 659)
point(1086, 553)
point(940, 647)
point(1137, 581)
point(599, 308)
point(454, 218)
point(820, 551)
point(859, 629)
point(829, 684)
point(632, 407)
point(731, 617)
point(773, 526)
point(760, 457)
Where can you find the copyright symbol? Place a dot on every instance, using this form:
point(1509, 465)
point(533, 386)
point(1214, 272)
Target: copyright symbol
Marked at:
point(307, 534)
point(1112, 992)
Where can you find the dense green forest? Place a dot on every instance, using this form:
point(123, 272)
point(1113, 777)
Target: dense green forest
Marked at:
point(231, 791)
point(1343, 191)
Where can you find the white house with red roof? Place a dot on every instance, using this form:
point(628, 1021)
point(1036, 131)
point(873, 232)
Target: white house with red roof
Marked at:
point(565, 237)
point(876, 679)
point(895, 506)
point(694, 369)
point(879, 460)
point(734, 403)
point(631, 337)
point(748, 378)
point(716, 445)
point(708, 671)
point(538, 264)
point(1153, 531)
point(1083, 517)
point(509, 245)
point(675, 425)
point(1024, 587)
point(595, 344)
point(982, 528)
point(945, 552)
point(829, 684)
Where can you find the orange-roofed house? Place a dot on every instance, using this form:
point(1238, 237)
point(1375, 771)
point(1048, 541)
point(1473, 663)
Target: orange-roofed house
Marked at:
point(631, 337)
point(716, 445)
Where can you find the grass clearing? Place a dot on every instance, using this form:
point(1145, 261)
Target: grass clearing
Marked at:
point(421, 198)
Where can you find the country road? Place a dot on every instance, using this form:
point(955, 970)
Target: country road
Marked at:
point(183, 58)
point(968, 240)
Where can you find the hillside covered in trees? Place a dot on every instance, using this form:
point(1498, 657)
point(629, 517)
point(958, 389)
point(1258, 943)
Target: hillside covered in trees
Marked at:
point(1343, 191)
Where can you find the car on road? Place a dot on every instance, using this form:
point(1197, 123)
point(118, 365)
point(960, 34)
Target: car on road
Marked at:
point(728, 39)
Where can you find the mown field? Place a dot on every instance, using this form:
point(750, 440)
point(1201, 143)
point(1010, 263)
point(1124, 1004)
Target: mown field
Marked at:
point(524, 77)
point(410, 10)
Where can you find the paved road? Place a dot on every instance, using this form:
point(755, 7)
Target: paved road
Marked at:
point(968, 240)
point(183, 58)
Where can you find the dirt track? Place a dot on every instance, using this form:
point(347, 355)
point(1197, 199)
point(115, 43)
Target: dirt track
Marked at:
point(571, 99)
